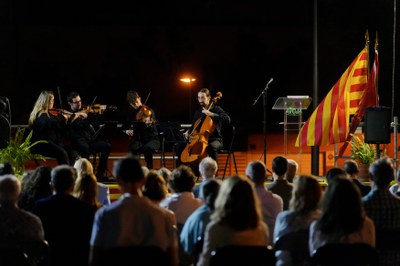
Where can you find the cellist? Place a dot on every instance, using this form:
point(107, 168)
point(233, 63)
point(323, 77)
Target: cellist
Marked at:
point(219, 117)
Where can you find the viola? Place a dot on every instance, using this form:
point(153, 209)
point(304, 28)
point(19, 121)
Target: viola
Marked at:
point(144, 115)
point(195, 150)
point(96, 108)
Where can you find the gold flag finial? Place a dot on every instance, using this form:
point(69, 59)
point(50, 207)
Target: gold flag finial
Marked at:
point(376, 41)
point(366, 38)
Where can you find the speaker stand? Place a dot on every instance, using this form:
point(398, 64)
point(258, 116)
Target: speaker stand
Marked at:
point(378, 151)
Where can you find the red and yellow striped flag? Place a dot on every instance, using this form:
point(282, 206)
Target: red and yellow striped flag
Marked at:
point(329, 122)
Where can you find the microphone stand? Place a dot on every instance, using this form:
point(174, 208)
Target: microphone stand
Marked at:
point(264, 94)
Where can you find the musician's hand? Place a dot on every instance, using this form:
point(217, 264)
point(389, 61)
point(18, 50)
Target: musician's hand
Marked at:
point(207, 112)
point(129, 132)
point(102, 109)
point(81, 115)
point(186, 134)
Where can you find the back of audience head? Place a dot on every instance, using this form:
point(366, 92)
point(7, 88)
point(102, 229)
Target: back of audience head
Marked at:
point(182, 179)
point(83, 165)
point(334, 173)
point(209, 192)
point(208, 167)
point(10, 188)
point(6, 169)
point(257, 172)
point(86, 188)
point(306, 195)
point(351, 168)
point(63, 179)
point(129, 170)
point(381, 172)
point(279, 165)
point(342, 209)
point(237, 205)
point(155, 187)
point(291, 170)
point(165, 173)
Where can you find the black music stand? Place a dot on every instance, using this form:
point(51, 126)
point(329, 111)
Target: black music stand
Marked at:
point(172, 134)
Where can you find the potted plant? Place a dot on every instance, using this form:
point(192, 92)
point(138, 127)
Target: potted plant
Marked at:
point(364, 153)
point(18, 151)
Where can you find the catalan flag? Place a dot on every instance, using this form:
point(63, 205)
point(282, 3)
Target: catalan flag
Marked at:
point(369, 98)
point(329, 122)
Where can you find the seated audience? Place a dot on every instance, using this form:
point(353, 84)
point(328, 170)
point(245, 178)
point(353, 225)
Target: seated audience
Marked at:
point(208, 168)
point(195, 225)
point(236, 220)
point(83, 165)
point(67, 221)
point(182, 202)
point(395, 188)
point(343, 219)
point(303, 209)
point(6, 169)
point(132, 220)
point(85, 189)
point(383, 207)
point(271, 204)
point(156, 190)
point(351, 169)
point(334, 173)
point(35, 186)
point(280, 185)
point(291, 170)
point(16, 224)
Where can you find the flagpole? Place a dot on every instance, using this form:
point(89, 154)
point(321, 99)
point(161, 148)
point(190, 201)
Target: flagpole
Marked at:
point(315, 149)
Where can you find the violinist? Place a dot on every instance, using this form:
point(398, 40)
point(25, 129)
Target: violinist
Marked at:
point(218, 116)
point(83, 128)
point(52, 127)
point(141, 128)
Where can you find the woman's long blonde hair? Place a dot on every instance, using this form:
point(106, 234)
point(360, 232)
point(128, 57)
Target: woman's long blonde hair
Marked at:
point(41, 106)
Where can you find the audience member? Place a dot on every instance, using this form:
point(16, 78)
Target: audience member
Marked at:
point(291, 170)
point(351, 169)
point(16, 224)
point(343, 219)
point(195, 225)
point(280, 185)
point(67, 221)
point(182, 202)
point(83, 165)
point(334, 173)
point(85, 189)
point(236, 220)
point(303, 209)
point(208, 168)
point(395, 188)
point(6, 169)
point(156, 190)
point(35, 186)
point(271, 204)
point(132, 220)
point(383, 207)
point(166, 174)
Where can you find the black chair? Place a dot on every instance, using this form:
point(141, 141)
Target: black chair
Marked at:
point(296, 244)
point(12, 256)
point(228, 133)
point(134, 255)
point(334, 254)
point(198, 248)
point(242, 256)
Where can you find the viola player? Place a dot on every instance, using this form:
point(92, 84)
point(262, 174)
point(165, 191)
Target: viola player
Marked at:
point(141, 127)
point(84, 129)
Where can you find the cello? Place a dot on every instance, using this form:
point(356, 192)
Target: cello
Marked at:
point(195, 150)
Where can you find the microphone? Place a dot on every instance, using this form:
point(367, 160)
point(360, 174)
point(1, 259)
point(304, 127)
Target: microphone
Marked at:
point(269, 82)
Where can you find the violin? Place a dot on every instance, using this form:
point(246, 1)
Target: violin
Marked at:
point(97, 108)
point(58, 111)
point(195, 150)
point(144, 115)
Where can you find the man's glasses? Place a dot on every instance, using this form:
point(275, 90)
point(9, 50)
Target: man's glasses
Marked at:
point(76, 102)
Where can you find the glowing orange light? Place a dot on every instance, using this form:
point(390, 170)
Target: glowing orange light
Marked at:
point(187, 80)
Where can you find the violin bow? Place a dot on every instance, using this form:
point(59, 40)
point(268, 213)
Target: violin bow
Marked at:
point(59, 97)
point(90, 106)
point(148, 96)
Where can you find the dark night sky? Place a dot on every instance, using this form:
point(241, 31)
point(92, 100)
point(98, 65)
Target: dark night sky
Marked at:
point(230, 46)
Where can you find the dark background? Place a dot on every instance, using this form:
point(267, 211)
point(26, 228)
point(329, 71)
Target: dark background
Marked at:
point(104, 49)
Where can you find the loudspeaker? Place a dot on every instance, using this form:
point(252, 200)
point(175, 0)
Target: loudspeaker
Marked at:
point(377, 125)
point(5, 131)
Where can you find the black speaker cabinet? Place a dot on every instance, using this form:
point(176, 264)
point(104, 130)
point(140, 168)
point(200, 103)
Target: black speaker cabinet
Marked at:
point(377, 122)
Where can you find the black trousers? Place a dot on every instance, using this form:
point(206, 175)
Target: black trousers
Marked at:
point(63, 154)
point(146, 148)
point(85, 148)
